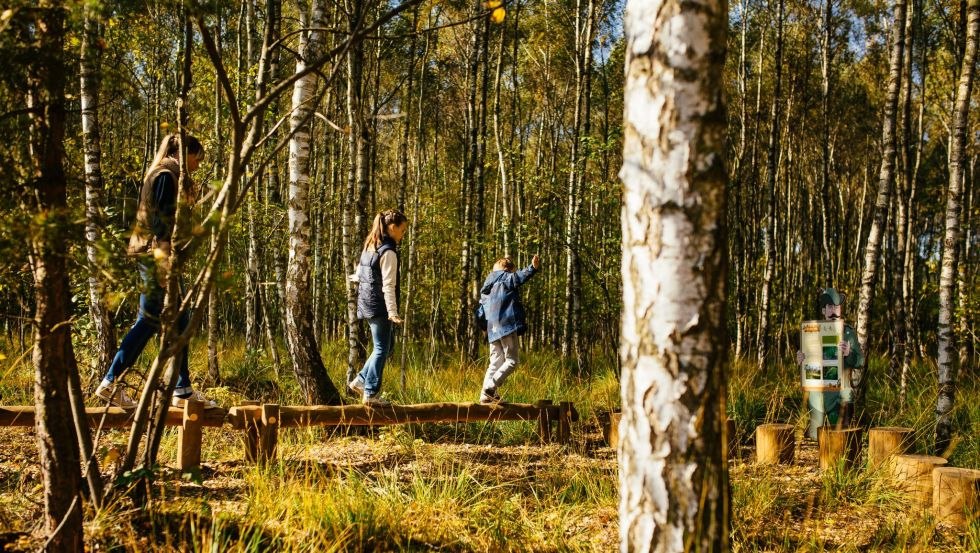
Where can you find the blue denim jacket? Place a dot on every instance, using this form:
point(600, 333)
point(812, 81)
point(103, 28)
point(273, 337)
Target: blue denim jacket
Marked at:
point(501, 299)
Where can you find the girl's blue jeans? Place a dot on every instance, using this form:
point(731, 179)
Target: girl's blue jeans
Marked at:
point(147, 324)
point(383, 335)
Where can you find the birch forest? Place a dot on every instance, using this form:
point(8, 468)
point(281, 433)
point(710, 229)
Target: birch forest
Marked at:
point(692, 176)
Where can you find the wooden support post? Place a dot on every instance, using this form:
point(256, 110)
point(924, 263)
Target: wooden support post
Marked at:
point(775, 444)
point(251, 422)
point(732, 439)
point(610, 429)
point(564, 422)
point(189, 437)
point(268, 433)
point(956, 495)
point(544, 420)
point(885, 441)
point(913, 475)
point(838, 444)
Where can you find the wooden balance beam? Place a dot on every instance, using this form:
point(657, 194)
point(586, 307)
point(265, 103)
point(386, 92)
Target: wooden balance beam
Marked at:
point(261, 423)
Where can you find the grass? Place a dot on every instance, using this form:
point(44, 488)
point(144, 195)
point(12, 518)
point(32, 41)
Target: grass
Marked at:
point(484, 487)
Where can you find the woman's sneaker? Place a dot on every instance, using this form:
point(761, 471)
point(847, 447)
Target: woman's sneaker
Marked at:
point(196, 396)
point(356, 386)
point(116, 398)
point(490, 396)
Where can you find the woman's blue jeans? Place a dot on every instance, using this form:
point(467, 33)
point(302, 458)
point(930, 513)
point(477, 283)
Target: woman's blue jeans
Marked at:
point(147, 324)
point(383, 335)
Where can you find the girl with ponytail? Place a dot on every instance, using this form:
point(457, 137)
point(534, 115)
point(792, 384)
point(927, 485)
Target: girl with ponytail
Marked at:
point(377, 299)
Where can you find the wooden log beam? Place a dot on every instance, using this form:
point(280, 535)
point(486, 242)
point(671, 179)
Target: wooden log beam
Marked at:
point(114, 416)
point(775, 444)
point(269, 433)
point(838, 444)
point(956, 495)
point(363, 415)
point(885, 441)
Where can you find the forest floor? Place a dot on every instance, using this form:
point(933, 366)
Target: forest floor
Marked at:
point(783, 508)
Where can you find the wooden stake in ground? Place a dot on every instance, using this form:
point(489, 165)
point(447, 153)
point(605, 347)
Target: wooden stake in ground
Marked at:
point(775, 444)
point(885, 441)
point(956, 495)
point(913, 474)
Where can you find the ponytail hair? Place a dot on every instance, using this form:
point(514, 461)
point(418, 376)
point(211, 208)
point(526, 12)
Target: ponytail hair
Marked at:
point(170, 146)
point(379, 228)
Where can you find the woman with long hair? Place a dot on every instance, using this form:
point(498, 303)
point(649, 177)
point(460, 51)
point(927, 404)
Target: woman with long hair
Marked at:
point(150, 243)
point(377, 299)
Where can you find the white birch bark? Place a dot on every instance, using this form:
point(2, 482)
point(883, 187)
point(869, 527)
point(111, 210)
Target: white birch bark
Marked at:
point(946, 359)
point(303, 349)
point(673, 473)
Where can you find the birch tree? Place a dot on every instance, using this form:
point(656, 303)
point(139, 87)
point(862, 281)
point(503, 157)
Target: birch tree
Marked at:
point(674, 492)
point(951, 242)
point(300, 336)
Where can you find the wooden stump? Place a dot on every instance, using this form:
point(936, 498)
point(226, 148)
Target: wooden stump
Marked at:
point(956, 495)
point(189, 437)
point(251, 421)
point(883, 442)
point(913, 475)
point(775, 444)
point(838, 444)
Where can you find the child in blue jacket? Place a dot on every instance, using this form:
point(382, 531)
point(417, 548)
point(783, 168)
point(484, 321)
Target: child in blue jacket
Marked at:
point(501, 301)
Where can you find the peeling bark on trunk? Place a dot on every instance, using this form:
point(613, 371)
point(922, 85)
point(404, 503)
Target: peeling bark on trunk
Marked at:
point(674, 492)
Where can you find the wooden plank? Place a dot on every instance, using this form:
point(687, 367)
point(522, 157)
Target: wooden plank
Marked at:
point(564, 422)
point(114, 416)
point(545, 416)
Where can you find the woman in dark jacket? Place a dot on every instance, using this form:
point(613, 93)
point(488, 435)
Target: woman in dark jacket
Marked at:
point(377, 299)
point(150, 244)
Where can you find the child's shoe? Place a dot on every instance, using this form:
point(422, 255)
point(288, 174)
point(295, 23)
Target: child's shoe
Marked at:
point(490, 396)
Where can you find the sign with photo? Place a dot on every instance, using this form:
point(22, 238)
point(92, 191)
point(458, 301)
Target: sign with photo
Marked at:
point(822, 361)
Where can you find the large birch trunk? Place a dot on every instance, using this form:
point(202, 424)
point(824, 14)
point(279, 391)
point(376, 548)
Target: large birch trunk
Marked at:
point(946, 359)
point(674, 493)
point(304, 352)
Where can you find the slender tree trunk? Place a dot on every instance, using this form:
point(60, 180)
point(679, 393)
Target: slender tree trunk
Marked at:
point(304, 352)
point(951, 242)
point(95, 221)
point(674, 490)
point(827, 268)
point(886, 177)
point(355, 212)
point(768, 245)
point(52, 354)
